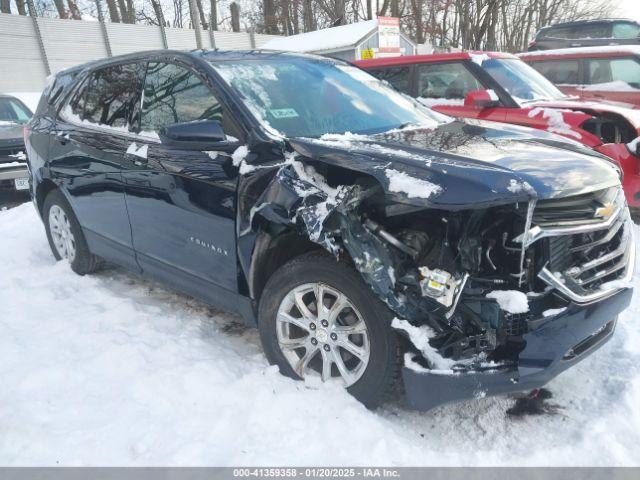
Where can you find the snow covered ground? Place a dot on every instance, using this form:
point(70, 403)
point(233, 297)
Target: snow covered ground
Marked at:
point(113, 370)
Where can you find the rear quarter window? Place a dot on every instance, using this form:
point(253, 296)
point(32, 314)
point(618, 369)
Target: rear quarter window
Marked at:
point(607, 70)
point(626, 30)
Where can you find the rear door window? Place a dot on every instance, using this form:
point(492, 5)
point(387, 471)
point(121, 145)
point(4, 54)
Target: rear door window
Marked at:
point(176, 94)
point(108, 96)
point(560, 72)
point(446, 81)
point(594, 30)
point(619, 70)
point(559, 32)
point(399, 77)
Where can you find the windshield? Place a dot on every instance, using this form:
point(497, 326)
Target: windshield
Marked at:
point(302, 97)
point(12, 112)
point(521, 81)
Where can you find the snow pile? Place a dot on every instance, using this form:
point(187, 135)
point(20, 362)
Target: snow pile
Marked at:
point(616, 86)
point(140, 152)
point(516, 186)
point(238, 158)
point(552, 312)
point(555, 119)
point(479, 58)
point(511, 301)
point(412, 187)
point(112, 370)
point(420, 336)
point(7, 123)
point(432, 102)
point(345, 137)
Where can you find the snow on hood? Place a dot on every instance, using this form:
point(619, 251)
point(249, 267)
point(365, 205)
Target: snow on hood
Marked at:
point(555, 120)
point(632, 115)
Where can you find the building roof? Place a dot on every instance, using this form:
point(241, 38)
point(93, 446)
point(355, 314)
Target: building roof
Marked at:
point(334, 38)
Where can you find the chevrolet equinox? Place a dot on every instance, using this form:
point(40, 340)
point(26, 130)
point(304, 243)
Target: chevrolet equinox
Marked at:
point(370, 239)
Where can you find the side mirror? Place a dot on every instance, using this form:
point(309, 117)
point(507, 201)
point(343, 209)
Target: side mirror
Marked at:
point(481, 99)
point(193, 135)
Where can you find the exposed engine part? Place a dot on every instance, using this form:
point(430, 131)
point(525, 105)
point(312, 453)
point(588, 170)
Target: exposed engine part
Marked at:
point(436, 284)
point(441, 286)
point(386, 236)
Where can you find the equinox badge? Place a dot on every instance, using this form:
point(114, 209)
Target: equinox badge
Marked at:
point(209, 246)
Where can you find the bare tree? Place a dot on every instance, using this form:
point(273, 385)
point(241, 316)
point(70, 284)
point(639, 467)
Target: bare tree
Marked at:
point(214, 14)
point(308, 18)
point(22, 9)
point(74, 10)
point(235, 16)
point(114, 15)
point(62, 11)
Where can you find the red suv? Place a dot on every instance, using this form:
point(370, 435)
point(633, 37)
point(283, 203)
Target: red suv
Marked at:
point(595, 73)
point(500, 87)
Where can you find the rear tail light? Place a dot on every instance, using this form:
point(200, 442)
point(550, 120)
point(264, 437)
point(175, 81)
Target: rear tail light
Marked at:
point(25, 134)
point(532, 44)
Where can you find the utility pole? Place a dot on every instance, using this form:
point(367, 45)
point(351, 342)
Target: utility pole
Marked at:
point(103, 27)
point(34, 17)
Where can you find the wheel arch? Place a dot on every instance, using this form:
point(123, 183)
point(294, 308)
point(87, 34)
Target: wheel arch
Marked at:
point(42, 190)
point(272, 251)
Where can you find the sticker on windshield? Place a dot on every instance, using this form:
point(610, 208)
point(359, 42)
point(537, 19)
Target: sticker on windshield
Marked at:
point(283, 113)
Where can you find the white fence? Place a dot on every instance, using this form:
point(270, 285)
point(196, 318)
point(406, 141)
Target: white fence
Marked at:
point(23, 61)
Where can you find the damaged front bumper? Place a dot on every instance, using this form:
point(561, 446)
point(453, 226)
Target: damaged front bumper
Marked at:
point(553, 344)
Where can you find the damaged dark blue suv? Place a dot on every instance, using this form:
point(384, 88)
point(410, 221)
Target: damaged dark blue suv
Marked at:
point(363, 234)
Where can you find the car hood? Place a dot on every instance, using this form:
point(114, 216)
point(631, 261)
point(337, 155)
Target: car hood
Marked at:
point(469, 163)
point(631, 114)
point(10, 133)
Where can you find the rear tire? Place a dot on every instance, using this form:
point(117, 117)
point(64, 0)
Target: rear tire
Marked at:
point(325, 338)
point(65, 236)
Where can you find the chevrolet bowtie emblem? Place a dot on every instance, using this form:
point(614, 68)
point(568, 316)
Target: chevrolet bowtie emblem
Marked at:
point(605, 211)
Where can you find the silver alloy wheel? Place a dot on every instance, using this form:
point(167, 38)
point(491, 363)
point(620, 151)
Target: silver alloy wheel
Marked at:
point(320, 332)
point(60, 228)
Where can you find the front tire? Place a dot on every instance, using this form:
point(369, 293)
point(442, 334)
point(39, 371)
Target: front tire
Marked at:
point(65, 236)
point(348, 339)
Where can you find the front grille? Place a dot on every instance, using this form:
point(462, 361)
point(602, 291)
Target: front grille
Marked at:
point(578, 209)
point(583, 256)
